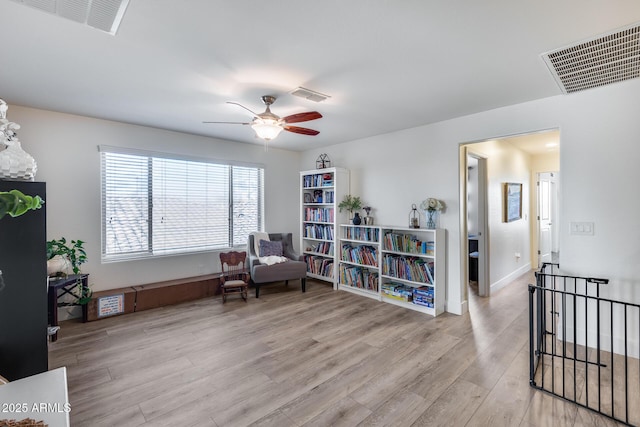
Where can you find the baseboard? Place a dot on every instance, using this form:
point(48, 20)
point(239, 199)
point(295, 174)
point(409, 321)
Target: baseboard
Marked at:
point(495, 287)
point(460, 309)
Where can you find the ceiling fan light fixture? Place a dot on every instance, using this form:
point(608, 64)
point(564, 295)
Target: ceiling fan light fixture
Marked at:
point(267, 129)
point(268, 126)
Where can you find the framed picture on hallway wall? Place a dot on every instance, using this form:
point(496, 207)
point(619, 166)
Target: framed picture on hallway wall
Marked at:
point(512, 202)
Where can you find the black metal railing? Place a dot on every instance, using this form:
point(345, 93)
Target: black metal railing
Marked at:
point(584, 348)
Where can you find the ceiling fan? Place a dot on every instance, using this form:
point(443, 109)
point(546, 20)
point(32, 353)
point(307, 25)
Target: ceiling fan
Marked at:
point(268, 125)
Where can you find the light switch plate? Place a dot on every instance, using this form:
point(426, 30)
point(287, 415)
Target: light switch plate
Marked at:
point(582, 228)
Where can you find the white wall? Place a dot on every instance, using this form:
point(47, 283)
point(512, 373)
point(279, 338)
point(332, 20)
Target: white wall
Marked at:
point(65, 148)
point(599, 152)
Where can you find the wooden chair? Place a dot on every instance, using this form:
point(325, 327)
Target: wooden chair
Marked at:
point(235, 277)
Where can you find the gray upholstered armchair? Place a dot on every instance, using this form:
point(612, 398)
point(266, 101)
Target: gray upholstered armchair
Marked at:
point(295, 268)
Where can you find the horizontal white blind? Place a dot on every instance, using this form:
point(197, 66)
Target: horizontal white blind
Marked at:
point(247, 204)
point(125, 204)
point(190, 206)
point(155, 206)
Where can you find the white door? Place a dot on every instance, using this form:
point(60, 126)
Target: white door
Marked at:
point(477, 219)
point(545, 216)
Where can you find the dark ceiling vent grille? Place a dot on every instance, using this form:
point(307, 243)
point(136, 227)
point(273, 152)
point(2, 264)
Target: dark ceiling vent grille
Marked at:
point(104, 15)
point(596, 62)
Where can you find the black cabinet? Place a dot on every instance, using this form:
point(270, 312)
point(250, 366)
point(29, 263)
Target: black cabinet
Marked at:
point(23, 297)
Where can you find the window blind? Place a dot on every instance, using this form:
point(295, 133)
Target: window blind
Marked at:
point(155, 205)
point(247, 205)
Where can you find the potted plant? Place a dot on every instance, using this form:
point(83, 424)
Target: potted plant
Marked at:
point(351, 203)
point(65, 258)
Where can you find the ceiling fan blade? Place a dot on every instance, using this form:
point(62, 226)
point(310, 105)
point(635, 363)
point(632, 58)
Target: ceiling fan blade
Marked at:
point(230, 123)
point(240, 105)
point(302, 117)
point(303, 131)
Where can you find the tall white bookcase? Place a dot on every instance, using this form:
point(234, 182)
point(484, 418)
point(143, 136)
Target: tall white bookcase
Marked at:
point(321, 190)
point(397, 265)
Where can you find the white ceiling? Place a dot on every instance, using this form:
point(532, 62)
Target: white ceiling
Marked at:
point(544, 142)
point(387, 65)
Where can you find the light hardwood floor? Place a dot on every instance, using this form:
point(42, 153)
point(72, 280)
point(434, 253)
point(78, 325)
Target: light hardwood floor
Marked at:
point(322, 358)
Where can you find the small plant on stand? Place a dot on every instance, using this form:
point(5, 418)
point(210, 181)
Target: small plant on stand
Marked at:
point(65, 257)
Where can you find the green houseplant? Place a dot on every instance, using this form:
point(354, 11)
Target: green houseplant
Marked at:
point(350, 203)
point(65, 257)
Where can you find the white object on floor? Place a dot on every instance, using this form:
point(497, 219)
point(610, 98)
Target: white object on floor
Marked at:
point(43, 397)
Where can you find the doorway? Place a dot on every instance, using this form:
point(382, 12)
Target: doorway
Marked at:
point(478, 255)
point(548, 248)
point(486, 166)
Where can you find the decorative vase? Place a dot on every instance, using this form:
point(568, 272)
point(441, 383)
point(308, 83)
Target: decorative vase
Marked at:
point(431, 219)
point(368, 220)
point(356, 219)
point(16, 164)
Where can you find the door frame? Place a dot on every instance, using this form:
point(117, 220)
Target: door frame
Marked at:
point(462, 196)
point(484, 284)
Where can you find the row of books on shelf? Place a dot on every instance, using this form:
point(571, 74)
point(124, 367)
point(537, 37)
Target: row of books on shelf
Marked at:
point(423, 295)
point(325, 248)
point(361, 254)
point(408, 243)
point(318, 214)
point(362, 233)
point(358, 277)
point(318, 231)
point(327, 196)
point(408, 268)
point(319, 265)
point(318, 180)
point(318, 196)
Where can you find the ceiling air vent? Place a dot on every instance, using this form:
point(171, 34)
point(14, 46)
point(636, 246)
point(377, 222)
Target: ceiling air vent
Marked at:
point(610, 58)
point(104, 15)
point(309, 94)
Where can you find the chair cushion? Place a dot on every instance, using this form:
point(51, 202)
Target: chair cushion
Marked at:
point(289, 270)
point(268, 248)
point(234, 283)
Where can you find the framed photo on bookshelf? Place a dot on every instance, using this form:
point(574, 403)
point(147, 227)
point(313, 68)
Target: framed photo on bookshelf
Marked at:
point(308, 198)
point(512, 202)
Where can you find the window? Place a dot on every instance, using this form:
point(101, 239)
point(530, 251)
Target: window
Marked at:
point(154, 204)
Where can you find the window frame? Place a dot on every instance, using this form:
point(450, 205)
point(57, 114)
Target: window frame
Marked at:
point(148, 253)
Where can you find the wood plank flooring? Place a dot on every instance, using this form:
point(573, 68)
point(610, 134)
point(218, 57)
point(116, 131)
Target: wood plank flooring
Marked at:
point(322, 358)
